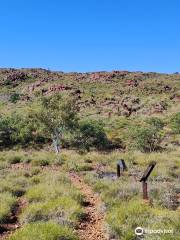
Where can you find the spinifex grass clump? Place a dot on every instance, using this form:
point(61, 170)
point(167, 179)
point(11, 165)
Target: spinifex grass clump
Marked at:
point(7, 203)
point(14, 182)
point(43, 231)
point(62, 210)
point(124, 217)
point(53, 198)
point(145, 102)
point(125, 209)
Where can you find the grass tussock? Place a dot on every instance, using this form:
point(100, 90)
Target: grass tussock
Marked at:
point(7, 203)
point(44, 231)
point(53, 198)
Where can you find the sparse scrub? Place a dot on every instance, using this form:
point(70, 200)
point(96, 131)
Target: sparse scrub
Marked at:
point(92, 123)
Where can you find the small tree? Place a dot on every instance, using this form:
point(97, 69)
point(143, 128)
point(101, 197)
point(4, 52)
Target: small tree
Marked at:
point(57, 114)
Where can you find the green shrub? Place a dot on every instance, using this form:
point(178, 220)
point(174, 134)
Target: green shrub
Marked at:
point(15, 97)
point(43, 158)
point(14, 159)
point(155, 122)
point(175, 123)
point(20, 129)
point(40, 162)
point(146, 139)
point(91, 134)
point(44, 231)
point(6, 131)
point(7, 203)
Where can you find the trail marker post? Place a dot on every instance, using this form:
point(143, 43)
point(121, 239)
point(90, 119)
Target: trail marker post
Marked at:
point(144, 179)
point(121, 167)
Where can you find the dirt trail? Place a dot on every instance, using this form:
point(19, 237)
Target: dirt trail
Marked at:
point(12, 222)
point(92, 226)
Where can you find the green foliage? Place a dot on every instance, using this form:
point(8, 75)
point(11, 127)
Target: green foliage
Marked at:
point(18, 129)
point(6, 131)
point(14, 183)
point(13, 159)
point(124, 217)
point(146, 139)
point(57, 114)
point(175, 123)
point(15, 97)
point(40, 162)
point(7, 203)
point(91, 134)
point(62, 210)
point(44, 231)
point(52, 186)
point(156, 123)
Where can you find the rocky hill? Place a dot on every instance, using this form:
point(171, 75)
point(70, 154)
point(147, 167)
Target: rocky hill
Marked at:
point(104, 94)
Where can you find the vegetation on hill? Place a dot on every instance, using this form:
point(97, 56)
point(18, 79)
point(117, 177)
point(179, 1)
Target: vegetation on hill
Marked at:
point(53, 123)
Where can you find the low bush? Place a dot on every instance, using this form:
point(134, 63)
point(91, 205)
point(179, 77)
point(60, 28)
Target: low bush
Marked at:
point(91, 134)
point(40, 162)
point(146, 139)
point(15, 97)
point(14, 159)
point(156, 123)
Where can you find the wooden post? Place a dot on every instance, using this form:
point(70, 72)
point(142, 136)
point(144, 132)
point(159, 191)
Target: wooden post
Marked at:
point(144, 179)
point(118, 171)
point(145, 192)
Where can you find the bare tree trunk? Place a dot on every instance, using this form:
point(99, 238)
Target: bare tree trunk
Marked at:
point(56, 142)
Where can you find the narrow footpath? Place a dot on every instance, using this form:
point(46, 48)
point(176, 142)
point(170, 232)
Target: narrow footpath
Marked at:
point(92, 226)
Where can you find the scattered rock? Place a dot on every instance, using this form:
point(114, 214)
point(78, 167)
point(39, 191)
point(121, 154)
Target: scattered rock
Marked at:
point(130, 105)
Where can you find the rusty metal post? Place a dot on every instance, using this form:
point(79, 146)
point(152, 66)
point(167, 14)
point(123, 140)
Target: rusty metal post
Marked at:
point(118, 171)
point(145, 191)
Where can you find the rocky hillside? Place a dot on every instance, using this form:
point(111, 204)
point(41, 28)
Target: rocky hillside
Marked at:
point(103, 94)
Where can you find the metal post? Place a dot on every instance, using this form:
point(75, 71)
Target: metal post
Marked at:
point(118, 171)
point(145, 191)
